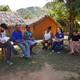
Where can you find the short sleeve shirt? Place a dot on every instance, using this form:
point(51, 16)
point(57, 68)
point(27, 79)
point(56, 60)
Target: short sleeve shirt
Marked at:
point(75, 38)
point(61, 35)
point(17, 35)
point(28, 34)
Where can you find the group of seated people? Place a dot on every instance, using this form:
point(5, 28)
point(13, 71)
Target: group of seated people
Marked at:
point(58, 39)
point(26, 41)
point(48, 38)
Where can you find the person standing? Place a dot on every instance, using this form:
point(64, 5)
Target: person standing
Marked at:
point(18, 39)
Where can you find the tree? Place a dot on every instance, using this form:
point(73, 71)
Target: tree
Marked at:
point(73, 7)
point(4, 8)
point(31, 12)
point(67, 11)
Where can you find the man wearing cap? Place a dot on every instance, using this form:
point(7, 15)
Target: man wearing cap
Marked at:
point(6, 43)
point(17, 38)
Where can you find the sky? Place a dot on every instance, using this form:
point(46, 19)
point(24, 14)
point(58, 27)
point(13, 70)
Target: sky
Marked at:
point(17, 4)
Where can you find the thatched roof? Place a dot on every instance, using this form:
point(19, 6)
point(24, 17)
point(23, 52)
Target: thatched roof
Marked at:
point(11, 18)
point(33, 20)
point(38, 19)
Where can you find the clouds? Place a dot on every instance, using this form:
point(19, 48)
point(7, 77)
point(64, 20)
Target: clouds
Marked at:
point(16, 4)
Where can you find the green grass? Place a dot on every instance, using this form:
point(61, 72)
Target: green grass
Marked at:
point(65, 62)
point(61, 61)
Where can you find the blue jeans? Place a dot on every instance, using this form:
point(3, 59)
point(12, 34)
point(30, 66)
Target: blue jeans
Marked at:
point(30, 42)
point(25, 49)
point(58, 44)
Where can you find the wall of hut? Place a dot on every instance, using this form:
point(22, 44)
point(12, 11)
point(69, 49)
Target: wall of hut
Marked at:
point(11, 28)
point(39, 27)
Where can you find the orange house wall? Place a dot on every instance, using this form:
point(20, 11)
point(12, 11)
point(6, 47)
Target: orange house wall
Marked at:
point(11, 28)
point(41, 26)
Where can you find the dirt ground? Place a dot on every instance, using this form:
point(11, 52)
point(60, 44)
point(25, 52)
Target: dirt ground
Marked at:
point(47, 73)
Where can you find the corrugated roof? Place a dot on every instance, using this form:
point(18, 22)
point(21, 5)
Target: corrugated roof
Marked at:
point(11, 18)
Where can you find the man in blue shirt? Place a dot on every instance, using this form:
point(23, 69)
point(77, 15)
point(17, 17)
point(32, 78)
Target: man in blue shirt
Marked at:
point(17, 38)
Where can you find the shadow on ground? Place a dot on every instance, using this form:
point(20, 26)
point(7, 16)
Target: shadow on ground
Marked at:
point(58, 62)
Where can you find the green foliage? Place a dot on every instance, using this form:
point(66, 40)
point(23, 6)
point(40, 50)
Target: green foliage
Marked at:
point(78, 17)
point(48, 6)
point(59, 11)
point(4, 8)
point(65, 11)
point(31, 12)
point(73, 7)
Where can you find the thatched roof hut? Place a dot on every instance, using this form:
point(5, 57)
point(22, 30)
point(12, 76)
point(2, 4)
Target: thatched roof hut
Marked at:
point(11, 18)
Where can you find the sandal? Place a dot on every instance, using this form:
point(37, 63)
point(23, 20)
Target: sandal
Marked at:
point(71, 52)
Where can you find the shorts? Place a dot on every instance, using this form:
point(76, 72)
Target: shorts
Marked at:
point(49, 41)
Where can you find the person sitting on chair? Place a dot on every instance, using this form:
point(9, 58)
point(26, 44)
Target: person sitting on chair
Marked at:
point(17, 38)
point(28, 36)
point(47, 38)
point(6, 43)
point(58, 40)
point(74, 42)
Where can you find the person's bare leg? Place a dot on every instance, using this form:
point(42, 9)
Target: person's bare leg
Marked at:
point(76, 47)
point(71, 48)
point(43, 43)
point(68, 47)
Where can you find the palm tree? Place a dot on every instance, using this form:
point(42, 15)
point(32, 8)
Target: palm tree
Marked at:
point(73, 7)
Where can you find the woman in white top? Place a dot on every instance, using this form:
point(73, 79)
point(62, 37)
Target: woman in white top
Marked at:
point(47, 38)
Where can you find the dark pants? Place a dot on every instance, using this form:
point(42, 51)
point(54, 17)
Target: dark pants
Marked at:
point(9, 47)
point(58, 44)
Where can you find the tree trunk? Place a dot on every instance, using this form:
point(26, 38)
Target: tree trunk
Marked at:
point(71, 25)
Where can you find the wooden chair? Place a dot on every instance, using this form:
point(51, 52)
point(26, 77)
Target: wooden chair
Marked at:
point(3, 53)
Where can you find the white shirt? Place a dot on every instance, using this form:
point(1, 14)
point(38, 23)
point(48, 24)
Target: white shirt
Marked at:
point(3, 36)
point(47, 36)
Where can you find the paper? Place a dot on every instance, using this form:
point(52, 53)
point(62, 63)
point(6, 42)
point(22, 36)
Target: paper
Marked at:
point(54, 40)
point(5, 38)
